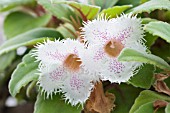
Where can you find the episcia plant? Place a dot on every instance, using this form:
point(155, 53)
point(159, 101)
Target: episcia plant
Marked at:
point(86, 56)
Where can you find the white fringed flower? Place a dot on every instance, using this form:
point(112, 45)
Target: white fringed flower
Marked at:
point(61, 70)
point(106, 39)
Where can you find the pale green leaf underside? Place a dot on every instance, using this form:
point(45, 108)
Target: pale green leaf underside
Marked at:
point(147, 20)
point(6, 60)
point(104, 4)
point(133, 55)
point(151, 6)
point(54, 105)
point(25, 72)
point(115, 11)
point(23, 22)
point(84, 10)
point(29, 38)
point(167, 109)
point(61, 11)
point(158, 28)
point(145, 97)
point(8, 4)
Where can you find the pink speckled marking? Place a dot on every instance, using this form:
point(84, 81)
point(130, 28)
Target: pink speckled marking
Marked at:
point(75, 51)
point(101, 34)
point(116, 67)
point(124, 34)
point(99, 54)
point(76, 83)
point(57, 74)
point(55, 56)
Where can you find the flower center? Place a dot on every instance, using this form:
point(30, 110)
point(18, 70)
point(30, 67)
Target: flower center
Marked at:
point(72, 62)
point(113, 48)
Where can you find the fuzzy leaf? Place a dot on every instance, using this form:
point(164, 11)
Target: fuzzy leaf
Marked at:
point(8, 4)
point(125, 96)
point(145, 107)
point(6, 60)
point(145, 97)
point(23, 74)
point(104, 4)
point(144, 77)
point(29, 38)
point(133, 55)
point(149, 108)
point(55, 9)
point(160, 29)
point(150, 39)
point(22, 23)
point(54, 105)
point(64, 30)
point(151, 6)
point(115, 11)
point(87, 12)
point(147, 20)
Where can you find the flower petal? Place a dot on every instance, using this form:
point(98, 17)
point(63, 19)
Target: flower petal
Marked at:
point(117, 72)
point(93, 60)
point(128, 29)
point(73, 46)
point(98, 30)
point(77, 88)
point(51, 78)
point(50, 52)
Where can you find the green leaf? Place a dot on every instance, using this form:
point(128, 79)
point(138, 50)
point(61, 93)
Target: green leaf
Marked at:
point(6, 60)
point(161, 49)
point(29, 38)
point(127, 2)
point(54, 105)
point(87, 12)
point(67, 30)
point(115, 11)
point(147, 20)
point(55, 9)
point(143, 1)
point(149, 108)
point(144, 77)
point(133, 55)
point(145, 107)
point(167, 109)
point(150, 39)
point(160, 29)
point(25, 72)
point(22, 23)
point(30, 88)
point(167, 15)
point(104, 4)
point(8, 4)
point(125, 96)
point(145, 97)
point(151, 6)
